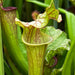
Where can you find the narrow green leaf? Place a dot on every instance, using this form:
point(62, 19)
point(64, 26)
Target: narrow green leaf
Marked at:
point(56, 2)
point(38, 3)
point(21, 44)
point(68, 61)
point(47, 1)
point(1, 49)
point(60, 3)
point(70, 18)
point(71, 25)
point(45, 5)
point(74, 65)
point(1, 53)
point(13, 67)
point(7, 69)
point(19, 4)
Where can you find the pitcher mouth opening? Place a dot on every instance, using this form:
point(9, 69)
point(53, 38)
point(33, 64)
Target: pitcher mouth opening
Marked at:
point(30, 44)
point(7, 8)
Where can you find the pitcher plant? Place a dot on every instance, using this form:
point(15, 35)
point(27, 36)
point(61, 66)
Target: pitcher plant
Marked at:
point(35, 40)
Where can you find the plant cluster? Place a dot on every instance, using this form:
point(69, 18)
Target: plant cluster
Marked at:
point(36, 47)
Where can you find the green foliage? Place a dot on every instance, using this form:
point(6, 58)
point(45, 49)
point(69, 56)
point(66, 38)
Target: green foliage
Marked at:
point(60, 3)
point(1, 53)
point(7, 69)
point(9, 32)
point(38, 3)
point(34, 39)
point(42, 19)
point(59, 43)
point(47, 1)
point(18, 4)
point(70, 17)
point(70, 24)
point(7, 3)
point(30, 30)
point(13, 67)
point(67, 68)
point(59, 47)
point(71, 31)
point(73, 2)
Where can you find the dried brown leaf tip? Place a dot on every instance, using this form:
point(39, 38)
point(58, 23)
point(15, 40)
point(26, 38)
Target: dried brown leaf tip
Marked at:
point(35, 14)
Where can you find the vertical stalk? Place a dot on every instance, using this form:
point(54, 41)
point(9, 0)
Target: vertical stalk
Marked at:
point(67, 70)
point(56, 2)
point(1, 50)
point(7, 69)
point(66, 4)
point(18, 4)
point(28, 11)
point(60, 3)
point(74, 65)
point(1, 55)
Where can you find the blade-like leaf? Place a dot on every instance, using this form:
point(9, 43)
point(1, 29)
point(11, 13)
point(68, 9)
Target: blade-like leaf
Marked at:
point(68, 61)
point(38, 3)
point(71, 25)
point(18, 4)
point(7, 69)
point(47, 1)
point(70, 18)
point(60, 3)
point(1, 54)
point(12, 65)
